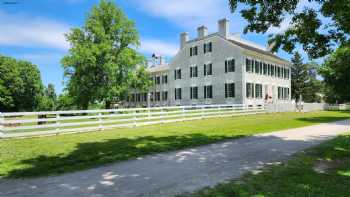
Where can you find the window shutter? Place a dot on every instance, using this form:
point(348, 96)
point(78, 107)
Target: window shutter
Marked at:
point(191, 68)
point(233, 90)
point(211, 91)
point(226, 66)
point(191, 91)
point(205, 92)
point(205, 70)
point(233, 65)
point(210, 47)
point(225, 90)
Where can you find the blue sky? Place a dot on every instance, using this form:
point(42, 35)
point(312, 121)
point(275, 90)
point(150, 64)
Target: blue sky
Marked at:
point(33, 29)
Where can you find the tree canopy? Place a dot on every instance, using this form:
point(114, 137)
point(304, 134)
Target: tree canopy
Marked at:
point(102, 59)
point(48, 100)
point(21, 87)
point(318, 28)
point(336, 74)
point(304, 82)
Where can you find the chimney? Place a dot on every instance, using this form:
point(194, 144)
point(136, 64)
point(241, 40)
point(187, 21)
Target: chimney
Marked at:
point(183, 39)
point(161, 60)
point(202, 31)
point(270, 46)
point(224, 27)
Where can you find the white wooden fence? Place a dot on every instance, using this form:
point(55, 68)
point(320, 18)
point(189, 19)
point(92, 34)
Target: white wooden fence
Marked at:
point(27, 124)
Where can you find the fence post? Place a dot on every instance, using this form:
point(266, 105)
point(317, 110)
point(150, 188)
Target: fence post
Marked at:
point(1, 125)
point(58, 123)
point(100, 127)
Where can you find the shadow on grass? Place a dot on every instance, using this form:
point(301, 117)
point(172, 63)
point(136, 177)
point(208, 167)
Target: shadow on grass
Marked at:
point(325, 119)
point(88, 155)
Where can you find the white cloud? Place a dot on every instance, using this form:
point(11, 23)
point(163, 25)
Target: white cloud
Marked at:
point(26, 31)
point(151, 46)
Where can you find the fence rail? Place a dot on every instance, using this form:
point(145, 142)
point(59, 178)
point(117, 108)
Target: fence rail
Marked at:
point(27, 124)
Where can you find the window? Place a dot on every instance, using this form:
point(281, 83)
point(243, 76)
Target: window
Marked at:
point(157, 96)
point(165, 95)
point(230, 65)
point(276, 71)
point(283, 93)
point(288, 73)
point(250, 90)
point(208, 92)
point(144, 95)
point(208, 69)
point(258, 91)
point(207, 47)
point(272, 70)
point(133, 98)
point(177, 73)
point(164, 79)
point(193, 51)
point(194, 92)
point(260, 68)
point(138, 97)
point(249, 65)
point(178, 94)
point(265, 69)
point(157, 80)
point(229, 90)
point(193, 71)
point(257, 67)
point(269, 69)
point(152, 96)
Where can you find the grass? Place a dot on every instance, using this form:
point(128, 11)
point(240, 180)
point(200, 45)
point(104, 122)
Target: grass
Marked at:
point(320, 171)
point(67, 153)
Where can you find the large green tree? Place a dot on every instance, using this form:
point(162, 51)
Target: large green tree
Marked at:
point(21, 87)
point(102, 59)
point(336, 74)
point(317, 36)
point(304, 80)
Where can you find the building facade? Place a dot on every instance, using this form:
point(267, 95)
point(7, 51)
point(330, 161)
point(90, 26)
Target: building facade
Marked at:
point(219, 68)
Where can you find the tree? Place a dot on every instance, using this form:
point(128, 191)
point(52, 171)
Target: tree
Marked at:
point(65, 102)
point(307, 28)
point(336, 74)
point(102, 58)
point(304, 80)
point(48, 101)
point(21, 87)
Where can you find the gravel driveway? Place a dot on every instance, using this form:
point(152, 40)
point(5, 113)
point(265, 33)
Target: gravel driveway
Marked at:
point(177, 172)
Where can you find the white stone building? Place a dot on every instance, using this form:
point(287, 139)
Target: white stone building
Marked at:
point(219, 68)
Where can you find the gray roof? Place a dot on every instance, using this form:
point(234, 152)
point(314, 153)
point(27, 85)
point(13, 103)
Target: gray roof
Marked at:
point(158, 68)
point(258, 50)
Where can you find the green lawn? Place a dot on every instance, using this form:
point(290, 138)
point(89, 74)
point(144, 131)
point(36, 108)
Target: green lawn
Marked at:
point(323, 171)
point(66, 153)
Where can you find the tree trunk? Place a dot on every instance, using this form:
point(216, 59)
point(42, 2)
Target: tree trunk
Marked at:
point(108, 104)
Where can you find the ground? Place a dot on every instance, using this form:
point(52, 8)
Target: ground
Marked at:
point(320, 171)
point(67, 153)
point(178, 172)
